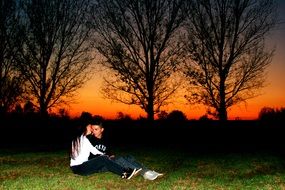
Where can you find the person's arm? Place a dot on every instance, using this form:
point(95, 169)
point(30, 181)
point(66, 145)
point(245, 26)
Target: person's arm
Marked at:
point(92, 149)
point(112, 156)
point(95, 151)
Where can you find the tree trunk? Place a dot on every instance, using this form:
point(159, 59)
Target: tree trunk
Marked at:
point(223, 116)
point(222, 112)
point(43, 110)
point(150, 111)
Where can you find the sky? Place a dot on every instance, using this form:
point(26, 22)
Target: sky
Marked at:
point(90, 99)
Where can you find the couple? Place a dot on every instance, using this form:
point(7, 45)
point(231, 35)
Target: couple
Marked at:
point(90, 154)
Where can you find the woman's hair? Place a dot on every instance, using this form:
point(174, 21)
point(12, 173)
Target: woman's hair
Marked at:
point(75, 144)
point(75, 148)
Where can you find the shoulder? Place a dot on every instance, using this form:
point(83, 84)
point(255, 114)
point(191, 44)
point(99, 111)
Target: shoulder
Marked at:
point(85, 138)
point(93, 140)
point(89, 137)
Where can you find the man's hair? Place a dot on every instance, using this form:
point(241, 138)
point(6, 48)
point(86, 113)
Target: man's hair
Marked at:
point(97, 121)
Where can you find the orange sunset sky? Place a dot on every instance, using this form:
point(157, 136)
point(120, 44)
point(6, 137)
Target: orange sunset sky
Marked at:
point(273, 95)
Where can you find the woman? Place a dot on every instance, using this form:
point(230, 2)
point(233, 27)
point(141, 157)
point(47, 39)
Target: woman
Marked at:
point(100, 143)
point(80, 151)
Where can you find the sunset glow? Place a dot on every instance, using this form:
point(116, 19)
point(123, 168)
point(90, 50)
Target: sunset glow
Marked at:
point(273, 95)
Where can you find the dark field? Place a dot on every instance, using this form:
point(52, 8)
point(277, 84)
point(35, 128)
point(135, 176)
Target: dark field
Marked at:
point(192, 154)
point(196, 136)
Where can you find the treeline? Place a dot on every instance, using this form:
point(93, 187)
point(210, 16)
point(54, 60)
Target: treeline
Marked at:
point(27, 115)
point(30, 130)
point(272, 114)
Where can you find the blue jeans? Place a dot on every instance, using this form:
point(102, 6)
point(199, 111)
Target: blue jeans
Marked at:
point(130, 162)
point(96, 165)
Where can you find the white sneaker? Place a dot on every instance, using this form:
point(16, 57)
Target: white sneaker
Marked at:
point(150, 175)
point(158, 174)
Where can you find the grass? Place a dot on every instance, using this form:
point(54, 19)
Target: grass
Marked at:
point(183, 170)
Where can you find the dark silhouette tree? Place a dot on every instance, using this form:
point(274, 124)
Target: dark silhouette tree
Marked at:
point(176, 115)
point(272, 114)
point(204, 118)
point(137, 39)
point(122, 116)
point(29, 108)
point(162, 115)
point(63, 113)
point(11, 83)
point(226, 44)
point(55, 58)
point(18, 109)
point(85, 115)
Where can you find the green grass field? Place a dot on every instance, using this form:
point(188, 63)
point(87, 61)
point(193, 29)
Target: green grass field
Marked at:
point(183, 170)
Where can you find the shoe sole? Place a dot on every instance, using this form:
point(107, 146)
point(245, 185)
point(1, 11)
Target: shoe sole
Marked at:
point(137, 171)
point(158, 174)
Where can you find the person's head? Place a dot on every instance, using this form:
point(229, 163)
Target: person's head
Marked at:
point(84, 129)
point(97, 127)
point(97, 130)
point(94, 125)
point(88, 129)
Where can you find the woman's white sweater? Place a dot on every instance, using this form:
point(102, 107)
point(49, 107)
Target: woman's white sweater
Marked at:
point(85, 149)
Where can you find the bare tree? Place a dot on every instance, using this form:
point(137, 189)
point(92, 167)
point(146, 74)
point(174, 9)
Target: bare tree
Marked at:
point(226, 44)
point(138, 40)
point(11, 82)
point(55, 58)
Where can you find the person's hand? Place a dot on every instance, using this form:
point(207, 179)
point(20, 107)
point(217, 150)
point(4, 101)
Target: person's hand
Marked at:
point(112, 156)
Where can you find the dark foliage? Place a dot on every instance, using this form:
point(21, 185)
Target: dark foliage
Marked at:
point(272, 114)
point(176, 115)
point(55, 132)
